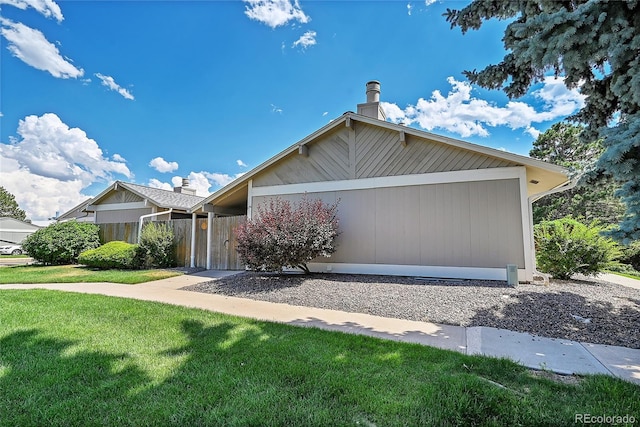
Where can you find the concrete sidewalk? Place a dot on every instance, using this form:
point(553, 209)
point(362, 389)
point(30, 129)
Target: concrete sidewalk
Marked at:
point(558, 355)
point(620, 280)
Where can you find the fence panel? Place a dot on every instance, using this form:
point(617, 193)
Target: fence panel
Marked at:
point(123, 231)
point(224, 254)
point(223, 243)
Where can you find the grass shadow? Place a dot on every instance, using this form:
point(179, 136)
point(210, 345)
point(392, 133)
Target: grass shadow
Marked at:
point(225, 370)
point(42, 378)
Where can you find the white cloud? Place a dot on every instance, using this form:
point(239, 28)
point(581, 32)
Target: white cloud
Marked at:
point(409, 8)
point(532, 131)
point(202, 182)
point(241, 163)
point(325, 113)
point(118, 158)
point(156, 183)
point(306, 40)
point(49, 165)
point(275, 13)
point(48, 8)
point(34, 49)
point(221, 179)
point(161, 165)
point(460, 113)
point(276, 109)
point(429, 2)
point(176, 181)
point(560, 100)
point(109, 82)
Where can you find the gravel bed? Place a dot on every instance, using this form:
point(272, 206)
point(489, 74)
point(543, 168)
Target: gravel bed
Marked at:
point(581, 310)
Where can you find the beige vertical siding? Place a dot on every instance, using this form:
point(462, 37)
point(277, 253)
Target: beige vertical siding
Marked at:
point(467, 224)
point(128, 215)
point(370, 151)
point(397, 223)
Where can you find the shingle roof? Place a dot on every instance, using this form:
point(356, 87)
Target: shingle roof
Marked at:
point(163, 198)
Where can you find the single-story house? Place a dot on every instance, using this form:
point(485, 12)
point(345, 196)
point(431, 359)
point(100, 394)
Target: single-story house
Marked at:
point(122, 208)
point(14, 231)
point(126, 202)
point(410, 202)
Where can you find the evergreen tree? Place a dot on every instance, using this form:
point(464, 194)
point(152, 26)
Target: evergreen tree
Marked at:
point(593, 199)
point(9, 206)
point(594, 45)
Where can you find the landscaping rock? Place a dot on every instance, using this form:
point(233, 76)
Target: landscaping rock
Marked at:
point(550, 311)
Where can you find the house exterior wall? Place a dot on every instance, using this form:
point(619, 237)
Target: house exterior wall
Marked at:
point(459, 224)
point(366, 151)
point(411, 203)
point(120, 215)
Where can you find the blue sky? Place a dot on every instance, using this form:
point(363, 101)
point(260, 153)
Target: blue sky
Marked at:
point(152, 91)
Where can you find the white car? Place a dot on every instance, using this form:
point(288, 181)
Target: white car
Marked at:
point(11, 250)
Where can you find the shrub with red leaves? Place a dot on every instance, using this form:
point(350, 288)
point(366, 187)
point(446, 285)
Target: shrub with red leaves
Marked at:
point(283, 234)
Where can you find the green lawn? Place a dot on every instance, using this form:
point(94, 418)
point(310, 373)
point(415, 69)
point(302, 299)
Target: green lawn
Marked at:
point(630, 275)
point(74, 359)
point(77, 274)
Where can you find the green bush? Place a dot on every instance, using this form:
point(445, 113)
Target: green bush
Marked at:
point(62, 242)
point(116, 254)
point(631, 255)
point(157, 245)
point(565, 247)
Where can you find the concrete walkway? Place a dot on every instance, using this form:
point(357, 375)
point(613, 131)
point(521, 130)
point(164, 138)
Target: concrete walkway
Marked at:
point(558, 355)
point(620, 280)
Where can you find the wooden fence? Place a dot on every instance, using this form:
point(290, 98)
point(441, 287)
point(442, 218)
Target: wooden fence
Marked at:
point(223, 242)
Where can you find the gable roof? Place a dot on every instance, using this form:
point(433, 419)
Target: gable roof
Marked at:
point(537, 170)
point(70, 214)
point(8, 223)
point(159, 197)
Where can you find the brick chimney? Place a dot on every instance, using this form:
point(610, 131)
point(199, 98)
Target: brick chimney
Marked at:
point(372, 107)
point(185, 189)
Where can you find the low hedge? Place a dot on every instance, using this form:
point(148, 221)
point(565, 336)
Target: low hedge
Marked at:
point(61, 242)
point(116, 254)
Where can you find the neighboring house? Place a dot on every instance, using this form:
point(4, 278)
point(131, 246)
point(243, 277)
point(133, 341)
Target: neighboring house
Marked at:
point(410, 202)
point(126, 202)
point(15, 231)
point(78, 213)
